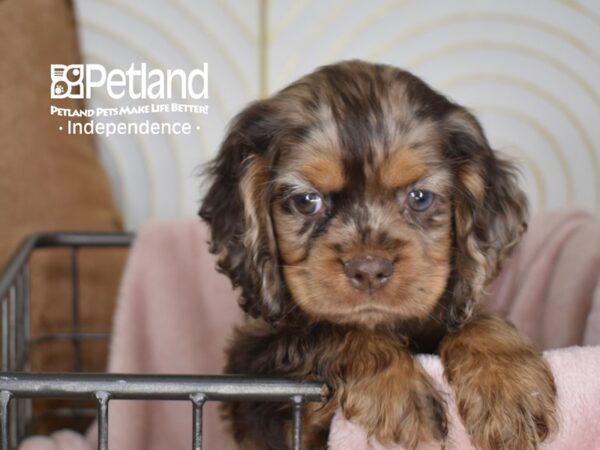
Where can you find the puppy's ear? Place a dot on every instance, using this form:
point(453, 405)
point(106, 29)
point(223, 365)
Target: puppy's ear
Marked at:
point(490, 211)
point(237, 210)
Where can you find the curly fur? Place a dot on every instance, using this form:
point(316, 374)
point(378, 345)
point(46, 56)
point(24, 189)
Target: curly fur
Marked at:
point(362, 136)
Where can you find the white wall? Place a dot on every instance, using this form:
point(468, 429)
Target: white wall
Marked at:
point(529, 69)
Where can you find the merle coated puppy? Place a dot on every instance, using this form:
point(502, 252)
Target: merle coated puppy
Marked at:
point(361, 214)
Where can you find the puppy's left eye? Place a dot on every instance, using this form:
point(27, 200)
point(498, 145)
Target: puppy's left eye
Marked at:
point(308, 204)
point(420, 200)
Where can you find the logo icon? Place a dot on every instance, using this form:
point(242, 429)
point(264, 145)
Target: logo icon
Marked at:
point(67, 81)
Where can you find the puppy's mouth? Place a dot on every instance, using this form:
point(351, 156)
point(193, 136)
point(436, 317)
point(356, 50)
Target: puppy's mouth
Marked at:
point(369, 288)
point(369, 314)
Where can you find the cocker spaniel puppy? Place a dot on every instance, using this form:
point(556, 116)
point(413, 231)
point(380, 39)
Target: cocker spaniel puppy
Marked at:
point(361, 214)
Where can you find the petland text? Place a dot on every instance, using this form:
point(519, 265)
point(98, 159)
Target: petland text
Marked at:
point(81, 80)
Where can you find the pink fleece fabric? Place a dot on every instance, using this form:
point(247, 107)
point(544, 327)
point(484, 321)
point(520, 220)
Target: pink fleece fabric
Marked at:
point(175, 314)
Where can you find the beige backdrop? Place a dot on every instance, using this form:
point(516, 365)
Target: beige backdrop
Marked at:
point(530, 70)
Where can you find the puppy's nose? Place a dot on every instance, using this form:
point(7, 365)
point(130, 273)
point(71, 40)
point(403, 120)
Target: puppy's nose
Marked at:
point(368, 273)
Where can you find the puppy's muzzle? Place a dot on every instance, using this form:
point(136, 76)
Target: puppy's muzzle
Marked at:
point(368, 273)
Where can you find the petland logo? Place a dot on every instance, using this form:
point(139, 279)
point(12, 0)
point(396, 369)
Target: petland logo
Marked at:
point(80, 80)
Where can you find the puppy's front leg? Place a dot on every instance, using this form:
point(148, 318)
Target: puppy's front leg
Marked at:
point(504, 389)
point(381, 386)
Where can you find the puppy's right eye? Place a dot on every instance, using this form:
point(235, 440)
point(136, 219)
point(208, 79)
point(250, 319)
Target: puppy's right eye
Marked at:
point(307, 204)
point(420, 200)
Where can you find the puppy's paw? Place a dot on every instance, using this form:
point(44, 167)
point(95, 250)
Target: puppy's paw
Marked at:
point(397, 408)
point(506, 404)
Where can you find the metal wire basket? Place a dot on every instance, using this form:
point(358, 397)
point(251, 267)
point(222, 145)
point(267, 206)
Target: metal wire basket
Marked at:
point(18, 386)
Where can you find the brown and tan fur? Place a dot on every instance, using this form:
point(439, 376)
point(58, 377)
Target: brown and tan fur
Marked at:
point(360, 140)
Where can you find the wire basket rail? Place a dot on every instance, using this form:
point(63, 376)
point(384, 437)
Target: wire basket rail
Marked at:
point(18, 386)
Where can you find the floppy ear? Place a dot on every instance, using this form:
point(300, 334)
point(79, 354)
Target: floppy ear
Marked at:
point(490, 211)
point(237, 210)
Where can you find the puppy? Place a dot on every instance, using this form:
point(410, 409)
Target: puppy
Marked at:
point(361, 214)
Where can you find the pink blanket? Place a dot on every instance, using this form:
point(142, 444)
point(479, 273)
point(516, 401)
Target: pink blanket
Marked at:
point(175, 314)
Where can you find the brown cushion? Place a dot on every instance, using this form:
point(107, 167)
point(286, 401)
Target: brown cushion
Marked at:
point(51, 181)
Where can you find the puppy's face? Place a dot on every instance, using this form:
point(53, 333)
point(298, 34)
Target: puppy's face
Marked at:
point(364, 233)
point(360, 195)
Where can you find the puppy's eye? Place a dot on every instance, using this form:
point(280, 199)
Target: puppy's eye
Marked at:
point(307, 204)
point(420, 200)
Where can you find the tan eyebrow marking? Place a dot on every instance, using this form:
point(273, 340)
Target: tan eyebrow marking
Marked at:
point(324, 172)
point(402, 168)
